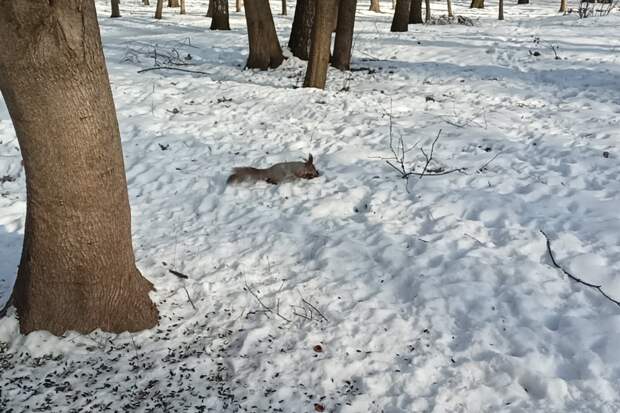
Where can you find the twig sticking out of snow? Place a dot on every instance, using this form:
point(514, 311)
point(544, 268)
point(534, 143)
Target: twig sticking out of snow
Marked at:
point(174, 68)
point(266, 307)
point(573, 277)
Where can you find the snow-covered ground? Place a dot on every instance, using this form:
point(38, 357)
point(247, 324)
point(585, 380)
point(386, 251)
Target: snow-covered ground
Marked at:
point(432, 296)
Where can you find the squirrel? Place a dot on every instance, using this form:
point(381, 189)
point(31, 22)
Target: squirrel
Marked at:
point(278, 173)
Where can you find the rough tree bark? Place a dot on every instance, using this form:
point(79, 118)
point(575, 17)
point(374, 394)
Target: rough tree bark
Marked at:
point(182, 11)
point(400, 22)
point(301, 32)
point(284, 7)
point(563, 6)
point(477, 4)
point(375, 6)
point(316, 73)
point(450, 14)
point(415, 14)
point(116, 12)
point(265, 51)
point(220, 15)
point(344, 34)
point(159, 9)
point(77, 269)
point(501, 10)
point(427, 6)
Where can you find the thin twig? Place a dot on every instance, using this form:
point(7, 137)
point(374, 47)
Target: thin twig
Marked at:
point(189, 298)
point(488, 162)
point(173, 68)
point(266, 307)
point(178, 274)
point(314, 308)
point(573, 277)
point(430, 157)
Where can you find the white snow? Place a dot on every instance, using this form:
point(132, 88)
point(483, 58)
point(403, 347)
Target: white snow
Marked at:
point(438, 297)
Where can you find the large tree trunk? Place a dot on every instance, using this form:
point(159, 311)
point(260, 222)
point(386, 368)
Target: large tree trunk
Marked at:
point(501, 10)
point(400, 22)
point(301, 32)
point(344, 34)
point(159, 8)
point(116, 12)
point(77, 270)
point(316, 73)
point(375, 6)
point(477, 4)
point(220, 15)
point(210, 8)
point(182, 2)
point(265, 51)
point(563, 6)
point(415, 14)
point(450, 14)
point(427, 6)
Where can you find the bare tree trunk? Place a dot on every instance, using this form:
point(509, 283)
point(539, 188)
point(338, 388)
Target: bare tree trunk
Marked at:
point(415, 14)
point(450, 14)
point(159, 8)
point(220, 15)
point(563, 6)
point(344, 34)
point(77, 270)
point(116, 12)
point(477, 4)
point(265, 51)
point(284, 7)
point(316, 73)
point(182, 2)
point(301, 32)
point(501, 10)
point(427, 6)
point(173, 3)
point(210, 8)
point(400, 22)
point(375, 6)
point(237, 6)
point(523, 1)
point(146, 2)
point(393, 4)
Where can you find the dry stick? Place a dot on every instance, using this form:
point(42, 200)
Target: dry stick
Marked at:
point(488, 162)
point(571, 276)
point(174, 68)
point(189, 298)
point(429, 158)
point(267, 308)
point(178, 274)
point(314, 308)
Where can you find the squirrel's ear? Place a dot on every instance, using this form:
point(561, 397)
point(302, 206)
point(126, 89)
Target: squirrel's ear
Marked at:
point(309, 161)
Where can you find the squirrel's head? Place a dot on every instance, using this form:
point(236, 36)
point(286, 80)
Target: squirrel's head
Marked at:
point(310, 171)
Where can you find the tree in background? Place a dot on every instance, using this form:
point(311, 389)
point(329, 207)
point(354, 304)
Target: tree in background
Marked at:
point(344, 34)
point(477, 4)
point(563, 6)
point(284, 7)
point(450, 14)
point(159, 9)
point(301, 32)
point(402, 11)
point(265, 51)
point(427, 6)
point(316, 73)
point(415, 14)
point(116, 12)
point(77, 270)
point(501, 10)
point(375, 6)
point(220, 20)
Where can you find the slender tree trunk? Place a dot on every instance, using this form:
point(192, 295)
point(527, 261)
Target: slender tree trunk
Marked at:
point(159, 8)
point(237, 6)
point(400, 22)
point(563, 6)
point(173, 3)
point(501, 10)
point(301, 32)
point(77, 270)
point(450, 14)
point(116, 12)
point(375, 6)
point(265, 51)
point(427, 6)
point(316, 73)
point(477, 4)
point(415, 14)
point(182, 2)
point(146, 2)
point(393, 4)
point(210, 8)
point(220, 15)
point(344, 34)
point(284, 7)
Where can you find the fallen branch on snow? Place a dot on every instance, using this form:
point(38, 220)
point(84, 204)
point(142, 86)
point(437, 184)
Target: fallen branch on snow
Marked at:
point(173, 68)
point(573, 277)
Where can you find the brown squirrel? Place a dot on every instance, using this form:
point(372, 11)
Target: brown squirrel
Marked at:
point(278, 173)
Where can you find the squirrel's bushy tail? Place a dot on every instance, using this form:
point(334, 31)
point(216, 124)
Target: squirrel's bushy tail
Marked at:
point(243, 174)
